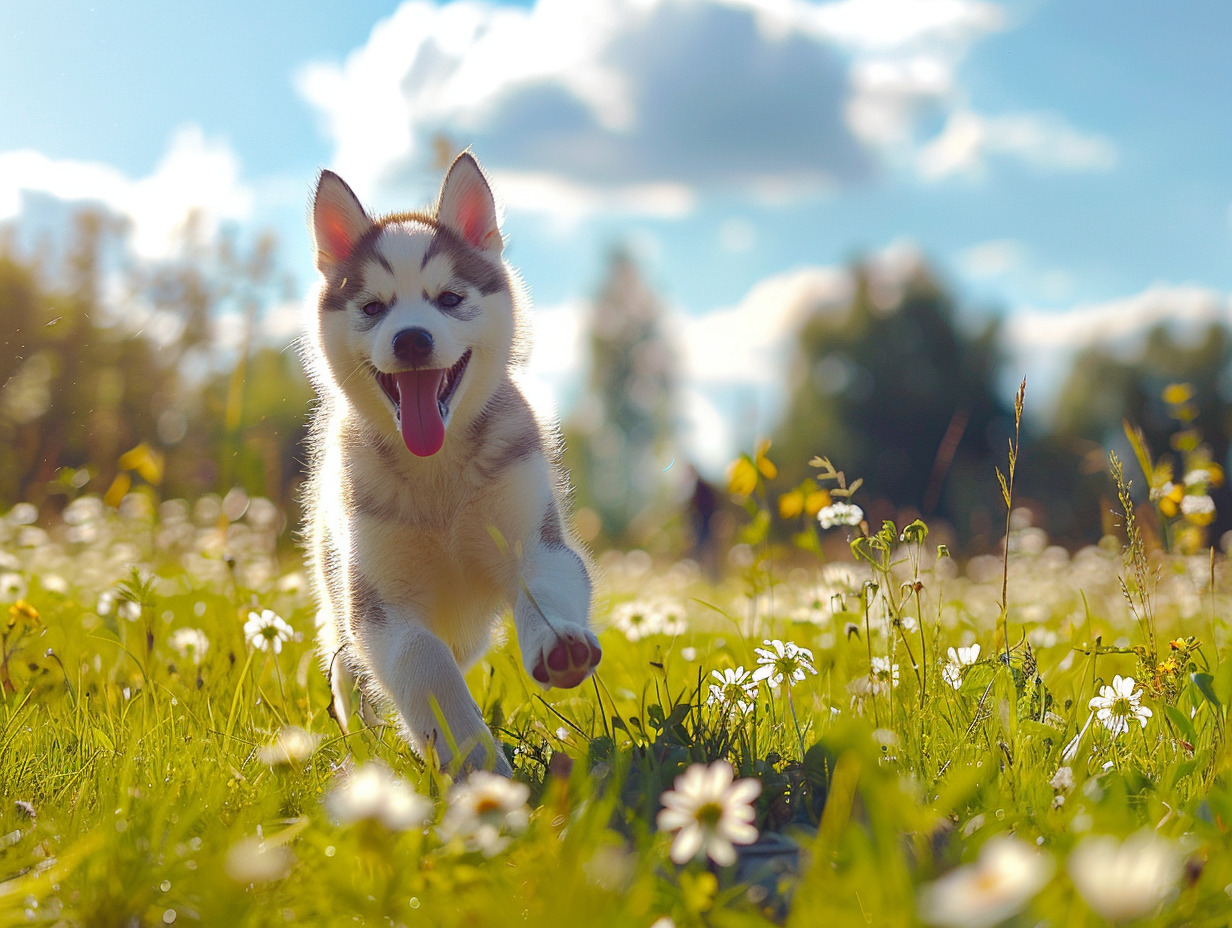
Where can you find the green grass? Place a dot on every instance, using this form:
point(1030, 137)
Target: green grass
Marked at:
point(134, 789)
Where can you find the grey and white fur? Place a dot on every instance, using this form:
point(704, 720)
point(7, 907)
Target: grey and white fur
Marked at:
point(435, 499)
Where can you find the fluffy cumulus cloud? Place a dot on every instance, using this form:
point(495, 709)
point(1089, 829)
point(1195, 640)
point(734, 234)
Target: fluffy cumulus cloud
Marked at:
point(197, 176)
point(644, 105)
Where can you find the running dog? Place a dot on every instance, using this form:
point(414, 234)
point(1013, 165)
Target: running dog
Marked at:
point(435, 497)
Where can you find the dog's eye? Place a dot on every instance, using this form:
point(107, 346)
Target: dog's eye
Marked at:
point(374, 308)
point(448, 299)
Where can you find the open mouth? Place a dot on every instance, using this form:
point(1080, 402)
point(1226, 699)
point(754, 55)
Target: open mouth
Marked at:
point(421, 403)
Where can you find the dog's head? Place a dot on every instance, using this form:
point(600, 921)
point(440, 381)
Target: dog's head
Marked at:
point(415, 322)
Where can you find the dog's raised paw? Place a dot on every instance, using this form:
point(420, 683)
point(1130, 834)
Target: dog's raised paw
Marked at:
point(567, 659)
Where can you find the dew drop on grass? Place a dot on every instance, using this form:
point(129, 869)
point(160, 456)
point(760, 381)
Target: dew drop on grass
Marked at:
point(169, 917)
point(330, 851)
point(165, 886)
point(414, 902)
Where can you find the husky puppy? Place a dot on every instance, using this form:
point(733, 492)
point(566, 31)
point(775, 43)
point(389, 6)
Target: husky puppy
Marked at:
point(435, 498)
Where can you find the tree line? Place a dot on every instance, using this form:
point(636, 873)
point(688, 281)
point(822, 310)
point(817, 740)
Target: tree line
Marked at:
point(115, 377)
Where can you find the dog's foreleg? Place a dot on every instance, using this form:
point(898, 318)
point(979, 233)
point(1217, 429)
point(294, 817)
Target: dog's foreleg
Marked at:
point(419, 674)
point(552, 613)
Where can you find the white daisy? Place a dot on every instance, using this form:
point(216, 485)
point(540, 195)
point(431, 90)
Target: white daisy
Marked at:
point(484, 809)
point(12, 587)
point(1124, 880)
point(373, 793)
point(783, 661)
point(291, 746)
point(640, 618)
point(1117, 704)
point(959, 658)
point(190, 644)
point(1004, 878)
point(734, 688)
point(710, 813)
point(267, 630)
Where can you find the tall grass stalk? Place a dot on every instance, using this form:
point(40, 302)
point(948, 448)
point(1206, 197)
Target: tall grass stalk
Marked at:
point(1007, 494)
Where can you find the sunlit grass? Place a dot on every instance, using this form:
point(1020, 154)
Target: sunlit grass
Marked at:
point(159, 768)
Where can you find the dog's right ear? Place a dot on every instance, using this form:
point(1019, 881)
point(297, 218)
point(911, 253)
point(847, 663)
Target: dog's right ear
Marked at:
point(338, 222)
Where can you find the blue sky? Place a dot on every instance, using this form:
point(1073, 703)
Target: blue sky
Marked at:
point(1064, 164)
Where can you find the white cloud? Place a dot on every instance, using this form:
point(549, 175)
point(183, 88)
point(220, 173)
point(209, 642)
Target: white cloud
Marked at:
point(196, 176)
point(654, 97)
point(650, 104)
point(1043, 343)
point(1044, 141)
point(556, 364)
point(749, 343)
point(567, 202)
point(1121, 325)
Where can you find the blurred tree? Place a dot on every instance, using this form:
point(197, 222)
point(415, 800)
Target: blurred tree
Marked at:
point(1104, 390)
point(893, 391)
point(123, 357)
point(621, 433)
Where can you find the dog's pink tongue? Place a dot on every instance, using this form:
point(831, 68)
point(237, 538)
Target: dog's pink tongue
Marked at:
point(422, 427)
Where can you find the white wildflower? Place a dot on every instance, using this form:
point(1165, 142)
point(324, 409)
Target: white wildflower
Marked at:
point(840, 513)
point(12, 587)
point(884, 675)
point(484, 810)
point(734, 688)
point(959, 658)
point(1197, 505)
point(1158, 493)
point(640, 618)
point(1117, 704)
point(290, 746)
point(267, 630)
point(783, 661)
point(1124, 880)
point(252, 860)
point(373, 793)
point(1005, 877)
point(1199, 476)
point(709, 813)
point(1063, 780)
point(190, 644)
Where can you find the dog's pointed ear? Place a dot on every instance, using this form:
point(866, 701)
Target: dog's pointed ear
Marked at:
point(338, 222)
point(466, 205)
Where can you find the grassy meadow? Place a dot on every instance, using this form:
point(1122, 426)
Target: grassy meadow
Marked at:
point(948, 743)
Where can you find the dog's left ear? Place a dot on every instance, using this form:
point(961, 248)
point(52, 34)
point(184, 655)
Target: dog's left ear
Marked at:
point(467, 207)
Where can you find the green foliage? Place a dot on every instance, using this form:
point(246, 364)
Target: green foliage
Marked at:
point(896, 391)
point(621, 434)
point(88, 382)
point(137, 730)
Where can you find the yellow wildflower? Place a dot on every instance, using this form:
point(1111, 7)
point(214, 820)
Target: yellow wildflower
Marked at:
point(764, 464)
point(816, 501)
point(1177, 394)
point(791, 504)
point(22, 613)
point(742, 477)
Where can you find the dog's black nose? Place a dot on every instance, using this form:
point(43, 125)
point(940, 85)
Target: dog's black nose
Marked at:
point(414, 346)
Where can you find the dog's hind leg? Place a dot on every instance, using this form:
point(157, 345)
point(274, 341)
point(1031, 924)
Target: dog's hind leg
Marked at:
point(419, 674)
point(343, 685)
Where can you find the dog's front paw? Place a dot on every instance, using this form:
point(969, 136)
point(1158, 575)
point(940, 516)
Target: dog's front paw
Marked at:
point(567, 658)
